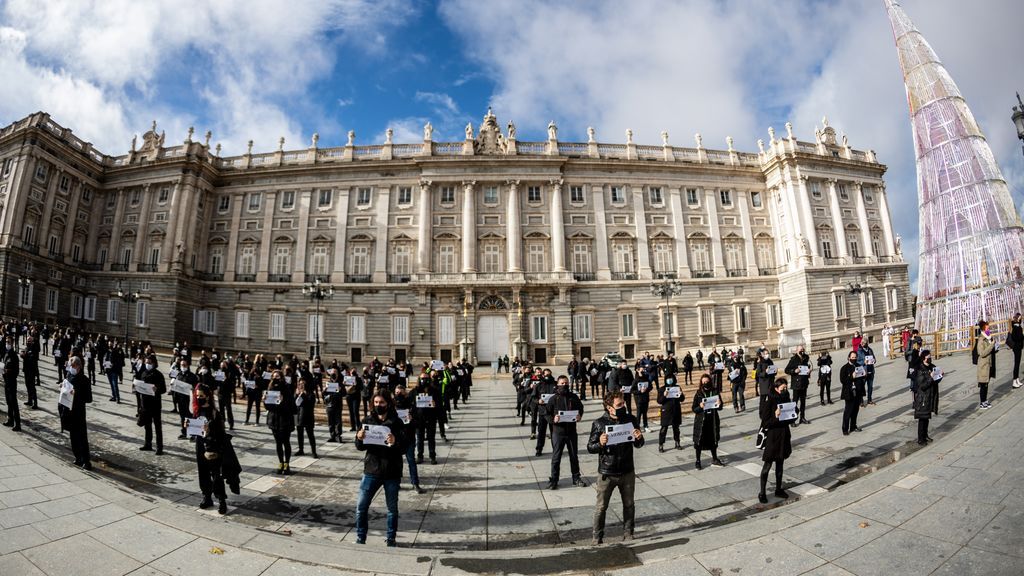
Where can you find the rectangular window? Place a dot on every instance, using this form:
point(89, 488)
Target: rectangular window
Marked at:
point(854, 245)
point(242, 324)
point(742, 318)
point(8, 163)
point(869, 302)
point(628, 327)
point(363, 197)
point(533, 194)
point(76, 305)
point(357, 328)
point(287, 200)
point(216, 260)
point(815, 190)
point(325, 197)
point(142, 313)
point(401, 262)
point(277, 325)
point(399, 329)
point(446, 330)
point(539, 328)
point(65, 183)
point(492, 258)
point(360, 264)
point(247, 260)
point(623, 257)
point(136, 197)
point(581, 258)
point(618, 195)
point(446, 259)
point(126, 255)
point(447, 195)
point(319, 260)
point(826, 247)
point(282, 260)
point(164, 194)
point(51, 301)
point(154, 256)
point(536, 259)
point(844, 195)
point(755, 200)
point(774, 311)
point(223, 203)
point(839, 305)
point(576, 194)
point(707, 321)
point(726, 197)
point(691, 197)
point(89, 311)
point(255, 198)
point(656, 196)
point(30, 234)
point(894, 300)
point(41, 171)
point(490, 195)
point(405, 195)
point(76, 253)
point(315, 328)
point(581, 324)
point(113, 311)
point(662, 257)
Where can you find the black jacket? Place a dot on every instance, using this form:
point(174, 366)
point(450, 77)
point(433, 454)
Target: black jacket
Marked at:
point(706, 424)
point(926, 393)
point(764, 379)
point(798, 382)
point(778, 440)
point(853, 388)
point(613, 460)
point(568, 401)
point(384, 461)
point(671, 408)
point(150, 405)
point(1015, 339)
point(281, 417)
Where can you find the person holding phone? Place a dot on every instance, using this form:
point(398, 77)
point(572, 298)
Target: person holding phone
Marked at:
point(382, 468)
point(615, 465)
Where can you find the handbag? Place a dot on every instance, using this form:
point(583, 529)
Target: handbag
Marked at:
point(762, 435)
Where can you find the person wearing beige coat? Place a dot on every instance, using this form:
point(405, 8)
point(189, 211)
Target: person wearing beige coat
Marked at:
point(986, 363)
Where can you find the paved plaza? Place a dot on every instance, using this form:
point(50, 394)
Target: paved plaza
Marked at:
point(859, 504)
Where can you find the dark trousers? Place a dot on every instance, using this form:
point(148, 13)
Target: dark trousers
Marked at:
point(542, 430)
point(739, 401)
point(150, 423)
point(521, 406)
point(922, 429)
point(11, 395)
point(642, 403)
point(353, 413)
point(426, 430)
point(688, 376)
point(800, 397)
point(79, 435)
point(663, 434)
point(562, 437)
point(60, 369)
point(626, 485)
point(850, 411)
point(825, 390)
point(1016, 364)
point(534, 409)
point(766, 468)
point(334, 419)
point(308, 430)
point(252, 399)
point(629, 402)
point(983, 391)
point(31, 381)
point(283, 442)
point(225, 410)
point(211, 478)
point(184, 404)
point(596, 388)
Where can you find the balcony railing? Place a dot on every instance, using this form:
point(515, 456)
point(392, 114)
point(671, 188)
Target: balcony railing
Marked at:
point(623, 275)
point(279, 278)
point(737, 273)
point(118, 267)
point(703, 273)
point(30, 246)
point(357, 278)
point(398, 278)
point(767, 271)
point(830, 261)
point(323, 278)
point(55, 254)
point(210, 276)
point(147, 267)
point(860, 259)
point(666, 275)
point(245, 277)
point(90, 266)
point(585, 277)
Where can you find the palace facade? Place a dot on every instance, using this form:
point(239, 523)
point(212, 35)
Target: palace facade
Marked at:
point(479, 248)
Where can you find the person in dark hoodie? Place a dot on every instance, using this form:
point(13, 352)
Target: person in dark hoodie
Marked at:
point(382, 467)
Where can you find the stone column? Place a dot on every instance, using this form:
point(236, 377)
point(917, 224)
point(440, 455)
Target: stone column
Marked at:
point(557, 227)
point(94, 216)
point(191, 242)
point(302, 242)
point(643, 251)
point(862, 219)
point(748, 234)
point(837, 220)
point(340, 235)
point(46, 222)
point(679, 229)
point(804, 200)
point(514, 230)
point(231, 258)
point(21, 185)
point(267, 237)
point(383, 206)
point(600, 233)
point(711, 203)
point(423, 243)
point(167, 252)
point(183, 213)
point(883, 213)
point(69, 227)
point(468, 227)
point(140, 231)
point(115, 231)
point(792, 215)
point(780, 249)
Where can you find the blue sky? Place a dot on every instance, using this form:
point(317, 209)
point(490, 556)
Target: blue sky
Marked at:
point(262, 69)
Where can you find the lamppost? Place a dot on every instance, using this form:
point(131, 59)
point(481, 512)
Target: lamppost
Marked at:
point(128, 297)
point(465, 328)
point(24, 283)
point(317, 292)
point(667, 290)
point(1018, 119)
point(856, 288)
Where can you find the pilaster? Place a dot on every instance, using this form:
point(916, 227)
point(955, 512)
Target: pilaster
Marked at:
point(643, 251)
point(557, 226)
point(423, 243)
point(340, 235)
point(267, 237)
point(514, 230)
point(679, 230)
point(468, 227)
point(382, 207)
point(302, 242)
point(600, 233)
point(711, 203)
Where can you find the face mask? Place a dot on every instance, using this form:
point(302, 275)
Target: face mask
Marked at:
point(149, 366)
point(201, 401)
point(184, 368)
point(381, 410)
point(8, 346)
point(562, 390)
point(620, 413)
point(73, 371)
point(669, 381)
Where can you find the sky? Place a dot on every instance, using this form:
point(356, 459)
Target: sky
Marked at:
point(261, 70)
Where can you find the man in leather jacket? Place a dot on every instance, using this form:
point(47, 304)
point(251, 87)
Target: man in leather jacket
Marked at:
point(615, 465)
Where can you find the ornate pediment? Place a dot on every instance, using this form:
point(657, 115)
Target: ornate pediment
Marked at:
point(151, 144)
point(490, 140)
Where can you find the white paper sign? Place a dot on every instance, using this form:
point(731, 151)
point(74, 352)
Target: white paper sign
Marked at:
point(267, 375)
point(593, 371)
point(734, 374)
point(771, 370)
point(391, 370)
point(545, 398)
point(403, 415)
point(401, 373)
point(787, 411)
point(88, 355)
point(316, 370)
point(627, 389)
point(711, 403)
point(719, 366)
point(804, 370)
point(566, 416)
point(144, 388)
point(382, 379)
point(869, 360)
point(181, 387)
point(424, 401)
point(436, 365)
point(107, 365)
point(642, 386)
point(67, 393)
point(219, 376)
point(673, 392)
point(56, 352)
point(350, 380)
point(196, 426)
point(619, 433)
point(173, 373)
point(288, 380)
point(860, 372)
point(333, 387)
point(460, 372)
point(936, 373)
point(249, 384)
point(272, 398)
point(825, 369)
point(376, 434)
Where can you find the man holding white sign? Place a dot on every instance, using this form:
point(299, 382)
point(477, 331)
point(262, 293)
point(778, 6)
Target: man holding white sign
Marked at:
point(381, 439)
point(150, 407)
point(564, 410)
point(852, 378)
point(799, 370)
point(615, 463)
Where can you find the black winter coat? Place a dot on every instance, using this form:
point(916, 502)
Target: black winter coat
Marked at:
point(764, 379)
point(384, 461)
point(281, 417)
point(926, 393)
point(778, 443)
point(798, 382)
point(671, 408)
point(613, 460)
point(706, 424)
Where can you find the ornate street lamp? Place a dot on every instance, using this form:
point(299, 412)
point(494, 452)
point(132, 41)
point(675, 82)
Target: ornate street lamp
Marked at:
point(128, 297)
point(1018, 119)
point(317, 292)
point(25, 283)
point(667, 290)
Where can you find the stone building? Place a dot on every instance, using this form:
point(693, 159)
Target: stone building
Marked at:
point(442, 249)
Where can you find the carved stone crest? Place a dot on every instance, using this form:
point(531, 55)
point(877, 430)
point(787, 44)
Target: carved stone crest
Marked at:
point(489, 140)
point(151, 144)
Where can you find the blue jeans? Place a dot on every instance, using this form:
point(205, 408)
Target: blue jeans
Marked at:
point(871, 386)
point(367, 490)
point(115, 393)
point(410, 458)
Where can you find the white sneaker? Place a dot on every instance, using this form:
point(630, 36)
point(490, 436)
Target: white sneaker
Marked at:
point(1017, 383)
point(983, 406)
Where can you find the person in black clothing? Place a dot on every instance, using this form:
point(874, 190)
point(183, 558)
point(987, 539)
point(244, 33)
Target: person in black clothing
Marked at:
point(10, 373)
point(353, 386)
point(149, 406)
point(30, 368)
point(716, 367)
point(1015, 342)
point(545, 388)
point(926, 396)
point(333, 400)
point(700, 360)
point(305, 401)
point(799, 370)
point(765, 371)
point(209, 448)
point(738, 384)
point(253, 390)
point(113, 365)
point(706, 424)
point(281, 418)
point(427, 418)
point(563, 432)
point(671, 412)
point(74, 419)
point(225, 391)
point(614, 465)
point(382, 468)
point(183, 402)
point(620, 379)
point(853, 391)
point(778, 442)
point(825, 377)
point(642, 391)
point(405, 410)
point(688, 369)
